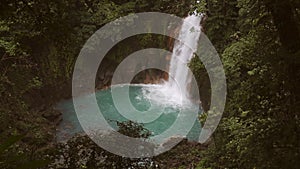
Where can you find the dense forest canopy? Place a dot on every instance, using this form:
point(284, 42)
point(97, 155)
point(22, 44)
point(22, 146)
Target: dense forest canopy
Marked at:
point(258, 42)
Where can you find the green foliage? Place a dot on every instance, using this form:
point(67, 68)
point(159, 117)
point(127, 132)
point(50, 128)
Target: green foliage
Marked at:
point(82, 152)
point(220, 23)
point(12, 157)
point(260, 124)
point(133, 129)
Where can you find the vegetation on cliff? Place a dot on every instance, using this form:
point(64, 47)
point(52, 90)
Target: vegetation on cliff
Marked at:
point(259, 45)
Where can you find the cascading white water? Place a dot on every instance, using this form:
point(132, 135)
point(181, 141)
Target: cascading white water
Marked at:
point(175, 90)
point(183, 52)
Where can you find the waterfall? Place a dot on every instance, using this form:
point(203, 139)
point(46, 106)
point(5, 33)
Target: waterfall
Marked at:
point(176, 90)
point(182, 54)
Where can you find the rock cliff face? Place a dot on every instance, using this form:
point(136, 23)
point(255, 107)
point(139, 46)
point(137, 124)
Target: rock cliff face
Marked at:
point(105, 73)
point(107, 69)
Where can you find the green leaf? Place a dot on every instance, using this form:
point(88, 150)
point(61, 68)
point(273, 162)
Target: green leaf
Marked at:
point(9, 142)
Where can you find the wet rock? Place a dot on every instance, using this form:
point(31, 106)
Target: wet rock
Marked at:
point(53, 116)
